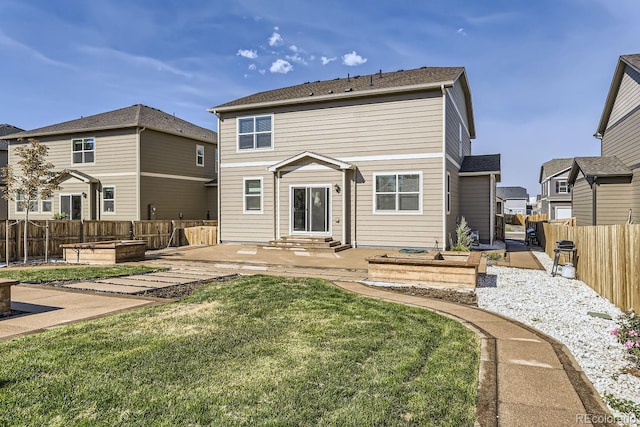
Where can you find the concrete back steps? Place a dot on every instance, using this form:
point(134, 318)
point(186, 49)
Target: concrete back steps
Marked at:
point(307, 243)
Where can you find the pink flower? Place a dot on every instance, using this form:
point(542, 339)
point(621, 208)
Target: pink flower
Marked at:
point(629, 344)
point(633, 333)
point(638, 343)
point(615, 331)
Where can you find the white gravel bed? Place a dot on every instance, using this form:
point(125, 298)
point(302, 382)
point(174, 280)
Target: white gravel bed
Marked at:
point(558, 307)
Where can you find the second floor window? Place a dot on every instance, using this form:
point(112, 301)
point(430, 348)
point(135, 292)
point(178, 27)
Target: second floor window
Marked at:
point(562, 187)
point(255, 133)
point(199, 155)
point(83, 150)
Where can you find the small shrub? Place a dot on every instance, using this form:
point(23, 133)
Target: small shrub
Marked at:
point(463, 236)
point(628, 334)
point(492, 256)
point(61, 215)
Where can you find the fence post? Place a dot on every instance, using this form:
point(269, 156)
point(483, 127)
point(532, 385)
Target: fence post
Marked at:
point(6, 245)
point(46, 241)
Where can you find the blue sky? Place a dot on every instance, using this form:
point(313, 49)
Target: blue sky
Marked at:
point(539, 70)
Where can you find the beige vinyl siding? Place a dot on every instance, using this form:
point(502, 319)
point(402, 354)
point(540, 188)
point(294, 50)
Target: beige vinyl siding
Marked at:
point(318, 175)
point(453, 122)
point(172, 197)
point(115, 152)
point(401, 125)
point(582, 202)
point(401, 229)
point(475, 204)
point(454, 215)
point(635, 194)
point(628, 96)
point(613, 201)
point(171, 154)
point(623, 141)
point(236, 226)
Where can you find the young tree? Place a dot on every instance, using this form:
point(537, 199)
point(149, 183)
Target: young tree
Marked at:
point(35, 180)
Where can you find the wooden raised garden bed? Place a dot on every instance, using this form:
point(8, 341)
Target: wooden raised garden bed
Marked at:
point(109, 252)
point(442, 269)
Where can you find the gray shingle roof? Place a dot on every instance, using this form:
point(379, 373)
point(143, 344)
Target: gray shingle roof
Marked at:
point(508, 193)
point(554, 166)
point(483, 163)
point(599, 167)
point(5, 130)
point(633, 60)
point(135, 116)
point(338, 87)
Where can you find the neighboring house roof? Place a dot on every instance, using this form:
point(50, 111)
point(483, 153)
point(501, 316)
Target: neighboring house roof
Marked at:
point(594, 167)
point(5, 130)
point(358, 86)
point(510, 193)
point(632, 61)
point(554, 167)
point(488, 163)
point(135, 116)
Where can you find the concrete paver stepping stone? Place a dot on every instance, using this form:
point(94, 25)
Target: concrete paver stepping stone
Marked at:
point(109, 287)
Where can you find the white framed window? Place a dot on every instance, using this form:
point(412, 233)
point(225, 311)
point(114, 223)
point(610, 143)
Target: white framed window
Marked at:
point(200, 155)
point(562, 187)
point(397, 192)
point(46, 205)
point(33, 205)
point(109, 199)
point(83, 150)
point(252, 195)
point(448, 193)
point(255, 133)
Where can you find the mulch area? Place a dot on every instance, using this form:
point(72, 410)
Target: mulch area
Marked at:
point(450, 295)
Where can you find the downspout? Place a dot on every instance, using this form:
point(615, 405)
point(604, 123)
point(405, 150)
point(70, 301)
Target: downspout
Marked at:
point(344, 206)
point(492, 213)
point(140, 130)
point(595, 201)
point(219, 201)
point(444, 167)
point(354, 214)
point(277, 177)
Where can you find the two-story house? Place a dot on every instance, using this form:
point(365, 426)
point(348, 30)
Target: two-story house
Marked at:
point(382, 160)
point(555, 194)
point(515, 200)
point(134, 163)
point(606, 189)
point(5, 130)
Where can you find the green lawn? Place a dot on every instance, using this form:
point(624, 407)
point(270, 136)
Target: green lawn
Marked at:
point(41, 275)
point(250, 351)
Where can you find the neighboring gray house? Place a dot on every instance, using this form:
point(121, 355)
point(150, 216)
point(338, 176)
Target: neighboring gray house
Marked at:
point(555, 199)
point(515, 200)
point(5, 130)
point(606, 189)
point(382, 160)
point(135, 163)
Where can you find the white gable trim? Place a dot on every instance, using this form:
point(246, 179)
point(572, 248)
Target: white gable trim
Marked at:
point(308, 154)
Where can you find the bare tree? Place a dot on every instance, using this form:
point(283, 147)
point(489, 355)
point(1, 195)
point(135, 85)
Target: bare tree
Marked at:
point(35, 180)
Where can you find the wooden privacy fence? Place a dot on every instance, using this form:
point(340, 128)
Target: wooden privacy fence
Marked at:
point(608, 258)
point(157, 235)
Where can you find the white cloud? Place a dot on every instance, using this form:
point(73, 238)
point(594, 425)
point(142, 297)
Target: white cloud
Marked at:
point(352, 59)
point(252, 67)
point(247, 53)
point(461, 32)
point(326, 60)
point(275, 39)
point(296, 58)
point(281, 66)
point(294, 48)
point(136, 60)
point(262, 71)
point(11, 43)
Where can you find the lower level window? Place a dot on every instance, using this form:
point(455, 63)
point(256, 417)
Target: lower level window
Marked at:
point(47, 205)
point(108, 199)
point(252, 195)
point(397, 192)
